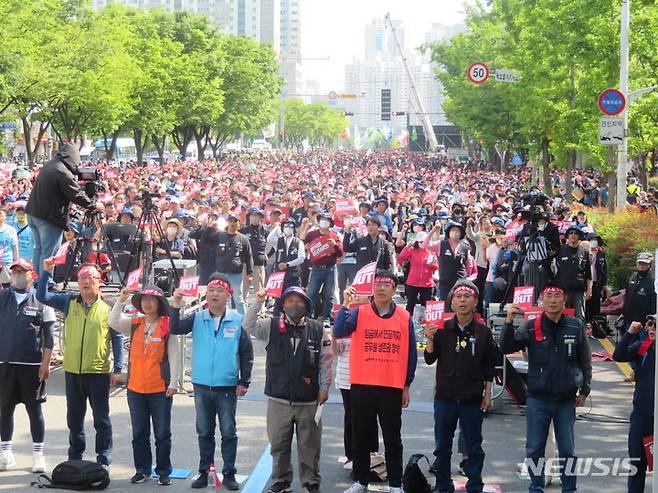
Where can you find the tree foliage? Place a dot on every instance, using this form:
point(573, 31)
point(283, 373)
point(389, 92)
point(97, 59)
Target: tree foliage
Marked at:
point(316, 123)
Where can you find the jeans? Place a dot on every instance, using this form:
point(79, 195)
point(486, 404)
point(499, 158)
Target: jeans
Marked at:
point(641, 426)
point(143, 409)
point(539, 414)
point(322, 276)
point(47, 238)
point(235, 280)
point(222, 404)
point(489, 291)
point(346, 273)
point(205, 270)
point(96, 389)
point(446, 414)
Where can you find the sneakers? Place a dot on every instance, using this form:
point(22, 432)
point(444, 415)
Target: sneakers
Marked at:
point(280, 488)
point(38, 463)
point(164, 480)
point(230, 483)
point(311, 488)
point(356, 488)
point(201, 480)
point(139, 478)
point(394, 489)
point(7, 459)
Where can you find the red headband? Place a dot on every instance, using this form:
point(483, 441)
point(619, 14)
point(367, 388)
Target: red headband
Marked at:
point(385, 280)
point(222, 284)
point(466, 289)
point(150, 292)
point(553, 290)
point(89, 271)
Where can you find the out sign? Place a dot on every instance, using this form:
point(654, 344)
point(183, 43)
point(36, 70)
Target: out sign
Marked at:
point(524, 296)
point(477, 73)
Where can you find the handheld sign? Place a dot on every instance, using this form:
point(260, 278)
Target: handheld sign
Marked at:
point(434, 310)
point(133, 279)
point(60, 256)
point(320, 248)
point(524, 296)
point(364, 280)
point(189, 285)
point(274, 286)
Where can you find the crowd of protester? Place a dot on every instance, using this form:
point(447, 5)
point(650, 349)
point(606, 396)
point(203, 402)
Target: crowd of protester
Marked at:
point(457, 232)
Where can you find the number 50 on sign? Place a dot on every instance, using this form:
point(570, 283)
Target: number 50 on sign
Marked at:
point(477, 73)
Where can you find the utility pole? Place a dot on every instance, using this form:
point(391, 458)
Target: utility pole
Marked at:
point(425, 119)
point(622, 155)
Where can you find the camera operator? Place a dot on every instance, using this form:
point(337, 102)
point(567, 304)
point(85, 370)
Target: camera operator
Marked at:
point(48, 206)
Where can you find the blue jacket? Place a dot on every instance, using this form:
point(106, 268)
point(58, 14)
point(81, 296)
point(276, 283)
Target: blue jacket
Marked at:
point(222, 358)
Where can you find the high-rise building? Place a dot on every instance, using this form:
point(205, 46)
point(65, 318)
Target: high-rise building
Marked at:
point(382, 68)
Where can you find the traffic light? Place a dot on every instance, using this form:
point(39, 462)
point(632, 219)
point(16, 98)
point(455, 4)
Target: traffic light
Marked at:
point(347, 113)
point(386, 104)
point(397, 113)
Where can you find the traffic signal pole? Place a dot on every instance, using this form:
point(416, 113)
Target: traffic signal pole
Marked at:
point(425, 119)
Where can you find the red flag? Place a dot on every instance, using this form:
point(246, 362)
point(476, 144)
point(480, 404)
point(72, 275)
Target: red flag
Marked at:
point(189, 285)
point(524, 296)
point(133, 279)
point(274, 286)
point(60, 256)
point(364, 280)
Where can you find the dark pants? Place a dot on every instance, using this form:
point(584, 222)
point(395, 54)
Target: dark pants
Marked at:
point(593, 305)
point(96, 389)
point(443, 290)
point(417, 296)
point(641, 426)
point(345, 274)
point(479, 282)
point(19, 385)
point(368, 404)
point(205, 271)
point(539, 414)
point(446, 415)
point(145, 408)
point(347, 427)
point(211, 404)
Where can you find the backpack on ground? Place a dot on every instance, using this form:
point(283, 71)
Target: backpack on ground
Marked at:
point(77, 475)
point(413, 479)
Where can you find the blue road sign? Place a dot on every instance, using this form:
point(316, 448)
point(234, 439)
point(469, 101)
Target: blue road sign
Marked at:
point(612, 102)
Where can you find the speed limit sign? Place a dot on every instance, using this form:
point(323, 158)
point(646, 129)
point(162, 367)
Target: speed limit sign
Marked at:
point(478, 73)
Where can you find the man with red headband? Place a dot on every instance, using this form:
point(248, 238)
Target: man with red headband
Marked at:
point(466, 355)
point(222, 359)
point(382, 366)
point(559, 377)
point(87, 340)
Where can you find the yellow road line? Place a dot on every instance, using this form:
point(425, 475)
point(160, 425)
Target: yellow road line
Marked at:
point(624, 367)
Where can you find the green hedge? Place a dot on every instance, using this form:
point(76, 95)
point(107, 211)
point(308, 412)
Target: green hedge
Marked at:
point(625, 235)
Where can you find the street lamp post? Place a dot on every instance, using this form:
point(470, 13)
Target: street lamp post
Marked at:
point(622, 156)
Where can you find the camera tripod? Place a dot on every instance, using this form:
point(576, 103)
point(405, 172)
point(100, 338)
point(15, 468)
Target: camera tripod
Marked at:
point(82, 246)
point(141, 254)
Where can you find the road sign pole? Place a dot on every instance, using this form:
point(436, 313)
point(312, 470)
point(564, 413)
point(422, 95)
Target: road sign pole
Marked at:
point(622, 156)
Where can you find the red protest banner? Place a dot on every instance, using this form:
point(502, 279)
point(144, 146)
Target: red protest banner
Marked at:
point(320, 248)
point(60, 256)
point(532, 313)
point(345, 206)
point(133, 279)
point(274, 286)
point(434, 310)
point(524, 296)
point(648, 450)
point(364, 280)
point(189, 285)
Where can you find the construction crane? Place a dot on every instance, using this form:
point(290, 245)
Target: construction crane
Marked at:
point(425, 119)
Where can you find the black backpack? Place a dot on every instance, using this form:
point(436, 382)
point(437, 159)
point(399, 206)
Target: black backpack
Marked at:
point(76, 475)
point(413, 479)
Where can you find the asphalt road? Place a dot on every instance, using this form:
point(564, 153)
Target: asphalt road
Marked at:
point(504, 434)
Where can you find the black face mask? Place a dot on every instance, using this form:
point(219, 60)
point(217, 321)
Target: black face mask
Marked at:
point(295, 312)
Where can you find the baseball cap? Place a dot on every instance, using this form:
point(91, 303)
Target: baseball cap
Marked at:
point(23, 264)
point(645, 257)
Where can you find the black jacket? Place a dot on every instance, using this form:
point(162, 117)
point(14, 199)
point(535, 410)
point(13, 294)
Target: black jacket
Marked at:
point(207, 239)
point(626, 351)
point(640, 298)
point(573, 269)
point(366, 251)
point(232, 253)
point(258, 239)
point(560, 364)
point(293, 376)
point(460, 376)
point(56, 187)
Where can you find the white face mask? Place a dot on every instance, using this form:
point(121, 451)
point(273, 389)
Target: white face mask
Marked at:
point(288, 231)
point(20, 281)
point(172, 231)
point(324, 224)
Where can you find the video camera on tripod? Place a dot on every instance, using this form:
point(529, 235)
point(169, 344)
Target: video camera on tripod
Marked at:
point(90, 179)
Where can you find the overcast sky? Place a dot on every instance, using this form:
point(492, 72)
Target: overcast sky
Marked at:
point(335, 29)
